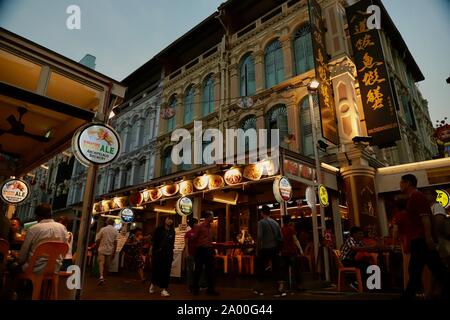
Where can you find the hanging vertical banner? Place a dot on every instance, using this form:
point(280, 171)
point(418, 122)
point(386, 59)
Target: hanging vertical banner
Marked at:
point(373, 76)
point(328, 117)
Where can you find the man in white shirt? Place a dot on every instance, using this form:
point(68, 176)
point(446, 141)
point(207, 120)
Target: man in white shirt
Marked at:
point(45, 230)
point(106, 241)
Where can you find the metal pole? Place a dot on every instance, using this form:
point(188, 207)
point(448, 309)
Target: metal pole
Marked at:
point(85, 222)
point(318, 182)
point(314, 208)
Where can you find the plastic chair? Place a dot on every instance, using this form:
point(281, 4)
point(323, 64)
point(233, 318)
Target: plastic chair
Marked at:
point(342, 270)
point(243, 260)
point(52, 251)
point(225, 258)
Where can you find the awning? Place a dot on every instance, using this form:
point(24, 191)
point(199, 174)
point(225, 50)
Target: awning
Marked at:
point(44, 98)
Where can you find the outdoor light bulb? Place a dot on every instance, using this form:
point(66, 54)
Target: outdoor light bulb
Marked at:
point(112, 114)
point(313, 85)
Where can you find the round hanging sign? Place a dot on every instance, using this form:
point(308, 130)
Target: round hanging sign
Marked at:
point(282, 189)
point(184, 206)
point(323, 196)
point(443, 198)
point(310, 196)
point(14, 191)
point(96, 143)
point(127, 215)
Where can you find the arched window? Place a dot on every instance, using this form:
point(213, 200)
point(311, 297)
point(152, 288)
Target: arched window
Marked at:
point(114, 183)
point(171, 121)
point(134, 139)
point(127, 181)
point(208, 96)
point(277, 118)
point(167, 162)
point(247, 76)
point(273, 62)
point(188, 105)
point(248, 123)
point(306, 129)
point(303, 51)
point(140, 172)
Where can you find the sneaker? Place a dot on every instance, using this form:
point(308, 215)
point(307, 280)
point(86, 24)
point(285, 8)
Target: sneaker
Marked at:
point(280, 294)
point(258, 292)
point(165, 293)
point(101, 282)
point(152, 288)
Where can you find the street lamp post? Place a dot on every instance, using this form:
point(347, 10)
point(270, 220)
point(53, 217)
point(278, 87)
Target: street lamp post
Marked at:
point(312, 88)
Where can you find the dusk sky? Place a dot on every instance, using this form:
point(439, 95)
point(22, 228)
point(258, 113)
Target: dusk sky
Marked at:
point(123, 35)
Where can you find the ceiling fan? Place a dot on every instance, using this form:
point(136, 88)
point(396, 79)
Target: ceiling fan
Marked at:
point(18, 128)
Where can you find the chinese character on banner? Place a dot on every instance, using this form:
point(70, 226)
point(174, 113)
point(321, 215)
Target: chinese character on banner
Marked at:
point(368, 63)
point(376, 98)
point(364, 42)
point(372, 77)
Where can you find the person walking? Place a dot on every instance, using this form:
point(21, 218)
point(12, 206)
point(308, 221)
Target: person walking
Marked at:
point(106, 243)
point(163, 242)
point(204, 254)
point(422, 245)
point(290, 251)
point(268, 247)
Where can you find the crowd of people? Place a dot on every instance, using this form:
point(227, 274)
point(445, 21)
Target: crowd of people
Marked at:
point(420, 229)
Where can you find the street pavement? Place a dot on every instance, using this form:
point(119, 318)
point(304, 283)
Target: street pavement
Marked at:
point(229, 288)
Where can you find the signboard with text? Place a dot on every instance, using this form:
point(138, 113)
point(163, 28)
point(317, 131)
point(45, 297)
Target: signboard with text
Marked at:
point(14, 191)
point(373, 77)
point(96, 143)
point(328, 116)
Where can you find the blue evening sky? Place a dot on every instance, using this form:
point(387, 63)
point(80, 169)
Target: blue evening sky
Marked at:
point(124, 34)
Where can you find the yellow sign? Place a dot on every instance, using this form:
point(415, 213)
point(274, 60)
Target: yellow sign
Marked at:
point(443, 198)
point(323, 196)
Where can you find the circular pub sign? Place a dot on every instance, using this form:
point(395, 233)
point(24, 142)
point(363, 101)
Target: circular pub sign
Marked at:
point(282, 189)
point(323, 196)
point(127, 215)
point(443, 198)
point(14, 191)
point(96, 143)
point(184, 206)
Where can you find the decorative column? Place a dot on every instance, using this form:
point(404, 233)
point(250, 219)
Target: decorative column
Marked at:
point(140, 134)
point(134, 166)
point(234, 82)
point(293, 125)
point(147, 165)
point(218, 98)
point(286, 44)
point(347, 111)
point(158, 163)
point(122, 177)
point(198, 104)
point(259, 70)
point(359, 180)
point(179, 115)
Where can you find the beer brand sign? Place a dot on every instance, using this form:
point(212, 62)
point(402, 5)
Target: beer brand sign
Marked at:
point(14, 191)
point(328, 116)
point(96, 144)
point(373, 77)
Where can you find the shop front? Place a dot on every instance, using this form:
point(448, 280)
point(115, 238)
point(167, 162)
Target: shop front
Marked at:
point(235, 194)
